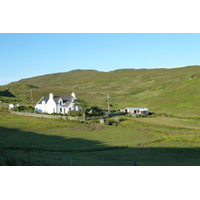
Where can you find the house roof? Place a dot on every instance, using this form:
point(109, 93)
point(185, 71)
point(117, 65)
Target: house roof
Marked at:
point(66, 100)
point(43, 99)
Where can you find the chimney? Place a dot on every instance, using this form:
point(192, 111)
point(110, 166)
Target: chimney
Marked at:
point(51, 96)
point(73, 95)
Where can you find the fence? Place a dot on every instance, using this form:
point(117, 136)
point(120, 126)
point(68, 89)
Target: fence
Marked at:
point(81, 118)
point(38, 115)
point(34, 157)
point(48, 116)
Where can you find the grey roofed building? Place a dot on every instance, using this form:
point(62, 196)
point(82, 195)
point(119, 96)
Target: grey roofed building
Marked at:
point(56, 104)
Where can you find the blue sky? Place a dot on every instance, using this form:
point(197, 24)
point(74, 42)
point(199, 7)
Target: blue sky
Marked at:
point(24, 55)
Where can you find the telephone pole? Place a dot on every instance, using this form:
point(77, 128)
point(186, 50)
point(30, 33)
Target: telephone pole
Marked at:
point(31, 97)
point(108, 103)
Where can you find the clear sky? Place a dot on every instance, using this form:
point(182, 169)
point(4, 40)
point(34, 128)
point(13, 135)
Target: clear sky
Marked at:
point(24, 55)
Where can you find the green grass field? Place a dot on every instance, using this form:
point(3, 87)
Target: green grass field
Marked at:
point(159, 141)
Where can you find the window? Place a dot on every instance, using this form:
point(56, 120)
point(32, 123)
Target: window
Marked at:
point(60, 109)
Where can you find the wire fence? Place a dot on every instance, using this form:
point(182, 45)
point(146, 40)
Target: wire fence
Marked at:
point(29, 157)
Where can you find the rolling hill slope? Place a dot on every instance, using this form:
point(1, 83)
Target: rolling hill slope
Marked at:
point(161, 90)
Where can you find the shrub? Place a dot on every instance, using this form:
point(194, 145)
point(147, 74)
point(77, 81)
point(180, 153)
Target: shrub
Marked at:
point(24, 108)
point(30, 109)
point(110, 121)
point(20, 108)
point(115, 121)
point(74, 113)
point(96, 111)
point(121, 119)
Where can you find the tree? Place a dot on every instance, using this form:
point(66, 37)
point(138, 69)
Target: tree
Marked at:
point(96, 111)
point(81, 103)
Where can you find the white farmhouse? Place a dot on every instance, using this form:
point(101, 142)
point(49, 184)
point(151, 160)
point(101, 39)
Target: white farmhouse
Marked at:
point(56, 104)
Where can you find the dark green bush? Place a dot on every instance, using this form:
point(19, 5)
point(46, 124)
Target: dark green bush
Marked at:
point(20, 108)
point(30, 109)
point(95, 111)
point(24, 108)
point(110, 121)
point(74, 113)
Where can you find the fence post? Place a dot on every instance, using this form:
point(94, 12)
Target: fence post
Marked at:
point(70, 160)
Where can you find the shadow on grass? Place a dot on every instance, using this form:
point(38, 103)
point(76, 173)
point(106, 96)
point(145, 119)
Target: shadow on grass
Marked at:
point(29, 148)
point(6, 93)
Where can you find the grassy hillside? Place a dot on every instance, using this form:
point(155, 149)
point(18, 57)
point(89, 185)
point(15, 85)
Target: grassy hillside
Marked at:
point(173, 91)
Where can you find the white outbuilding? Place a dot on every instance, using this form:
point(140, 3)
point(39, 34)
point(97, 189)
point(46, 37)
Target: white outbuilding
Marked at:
point(13, 105)
point(140, 111)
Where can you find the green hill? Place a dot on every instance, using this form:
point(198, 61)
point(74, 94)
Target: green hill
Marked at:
point(160, 90)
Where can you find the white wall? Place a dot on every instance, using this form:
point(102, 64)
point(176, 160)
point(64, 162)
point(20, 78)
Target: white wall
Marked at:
point(43, 106)
point(51, 106)
point(11, 106)
point(38, 108)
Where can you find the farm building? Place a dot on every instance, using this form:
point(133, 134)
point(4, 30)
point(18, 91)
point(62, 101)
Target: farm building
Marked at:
point(139, 111)
point(56, 104)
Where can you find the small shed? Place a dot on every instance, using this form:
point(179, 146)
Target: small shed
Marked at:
point(102, 121)
point(13, 105)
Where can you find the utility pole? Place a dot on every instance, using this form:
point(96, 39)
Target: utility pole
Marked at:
point(108, 103)
point(31, 97)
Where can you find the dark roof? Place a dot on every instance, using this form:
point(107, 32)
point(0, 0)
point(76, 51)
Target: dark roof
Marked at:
point(43, 99)
point(66, 100)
